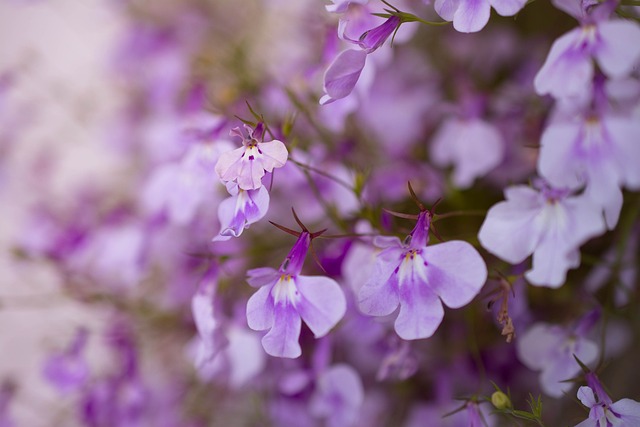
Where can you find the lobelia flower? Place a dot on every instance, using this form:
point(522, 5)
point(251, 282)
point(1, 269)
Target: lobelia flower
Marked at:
point(470, 16)
point(285, 298)
point(604, 413)
point(568, 69)
point(242, 209)
point(420, 278)
point(338, 396)
point(551, 349)
point(549, 223)
point(247, 165)
point(372, 39)
point(344, 72)
point(68, 370)
point(473, 146)
point(598, 149)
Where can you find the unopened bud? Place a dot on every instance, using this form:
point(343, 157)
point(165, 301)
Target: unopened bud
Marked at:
point(500, 400)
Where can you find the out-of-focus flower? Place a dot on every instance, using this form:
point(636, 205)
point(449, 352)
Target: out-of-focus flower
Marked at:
point(343, 74)
point(568, 70)
point(68, 371)
point(551, 350)
point(338, 396)
point(550, 224)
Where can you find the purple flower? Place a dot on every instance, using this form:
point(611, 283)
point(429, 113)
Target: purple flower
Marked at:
point(603, 413)
point(211, 338)
point(285, 297)
point(548, 223)
point(551, 349)
point(247, 165)
point(68, 370)
point(338, 397)
point(568, 69)
point(372, 39)
point(420, 278)
point(469, 16)
point(342, 75)
point(473, 146)
point(243, 208)
point(599, 151)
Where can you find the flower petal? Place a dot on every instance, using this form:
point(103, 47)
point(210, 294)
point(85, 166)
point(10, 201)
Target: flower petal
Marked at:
point(586, 396)
point(274, 154)
point(619, 50)
point(455, 271)
point(282, 339)
point(379, 295)
point(421, 312)
point(508, 229)
point(567, 70)
point(471, 16)
point(322, 304)
point(343, 74)
point(507, 7)
point(260, 309)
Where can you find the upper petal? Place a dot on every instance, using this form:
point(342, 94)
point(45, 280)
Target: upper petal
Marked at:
point(568, 70)
point(619, 48)
point(274, 154)
point(322, 304)
point(455, 271)
point(508, 230)
point(586, 396)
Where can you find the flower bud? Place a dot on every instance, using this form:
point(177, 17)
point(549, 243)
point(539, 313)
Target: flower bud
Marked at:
point(500, 400)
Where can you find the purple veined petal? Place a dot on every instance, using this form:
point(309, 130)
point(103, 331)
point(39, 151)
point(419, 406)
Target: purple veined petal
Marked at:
point(629, 410)
point(231, 224)
point(588, 423)
point(586, 396)
point(508, 230)
point(229, 164)
point(260, 309)
point(343, 74)
point(274, 154)
point(619, 48)
point(282, 339)
point(322, 304)
point(250, 174)
point(421, 311)
point(340, 6)
point(257, 205)
point(379, 295)
point(447, 8)
point(558, 161)
point(568, 70)
point(455, 271)
point(258, 277)
point(507, 7)
point(586, 222)
point(471, 15)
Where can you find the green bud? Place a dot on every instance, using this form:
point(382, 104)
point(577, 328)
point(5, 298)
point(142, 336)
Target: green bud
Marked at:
point(500, 400)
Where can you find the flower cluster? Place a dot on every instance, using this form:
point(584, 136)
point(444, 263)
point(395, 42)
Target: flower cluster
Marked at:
point(146, 279)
